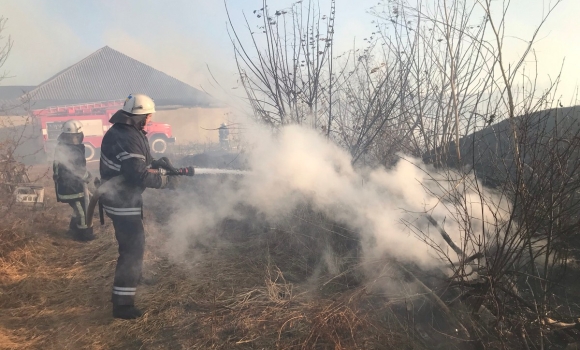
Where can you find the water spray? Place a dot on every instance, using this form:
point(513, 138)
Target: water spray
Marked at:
point(213, 171)
point(186, 171)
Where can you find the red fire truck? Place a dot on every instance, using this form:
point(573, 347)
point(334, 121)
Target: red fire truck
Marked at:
point(95, 119)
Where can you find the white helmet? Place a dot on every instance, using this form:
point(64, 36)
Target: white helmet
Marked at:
point(72, 127)
point(139, 104)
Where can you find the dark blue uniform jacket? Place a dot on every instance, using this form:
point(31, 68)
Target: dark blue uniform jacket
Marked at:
point(125, 151)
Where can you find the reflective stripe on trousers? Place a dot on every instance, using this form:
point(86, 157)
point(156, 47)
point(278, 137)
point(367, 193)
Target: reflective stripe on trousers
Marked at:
point(124, 290)
point(130, 235)
point(79, 213)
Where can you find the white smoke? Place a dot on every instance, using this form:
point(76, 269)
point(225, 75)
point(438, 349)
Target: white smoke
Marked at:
point(380, 204)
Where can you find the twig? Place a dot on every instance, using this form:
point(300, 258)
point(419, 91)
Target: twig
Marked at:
point(435, 299)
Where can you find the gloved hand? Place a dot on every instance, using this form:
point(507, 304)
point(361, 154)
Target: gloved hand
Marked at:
point(170, 182)
point(163, 163)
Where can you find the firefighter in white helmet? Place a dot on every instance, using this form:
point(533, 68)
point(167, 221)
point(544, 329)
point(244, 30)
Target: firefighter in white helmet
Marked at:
point(125, 153)
point(71, 176)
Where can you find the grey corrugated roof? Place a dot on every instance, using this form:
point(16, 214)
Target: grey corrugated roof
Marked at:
point(108, 74)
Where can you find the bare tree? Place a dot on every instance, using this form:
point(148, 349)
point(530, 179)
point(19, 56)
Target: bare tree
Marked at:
point(291, 75)
point(433, 81)
point(516, 240)
point(17, 129)
point(286, 66)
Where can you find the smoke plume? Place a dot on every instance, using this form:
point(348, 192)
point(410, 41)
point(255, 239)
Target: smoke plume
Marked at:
point(298, 165)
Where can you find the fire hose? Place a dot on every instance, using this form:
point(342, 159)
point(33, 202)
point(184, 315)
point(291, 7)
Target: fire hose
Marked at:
point(118, 180)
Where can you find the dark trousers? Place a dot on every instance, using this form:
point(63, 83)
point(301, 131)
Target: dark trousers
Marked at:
point(130, 235)
point(78, 222)
point(78, 219)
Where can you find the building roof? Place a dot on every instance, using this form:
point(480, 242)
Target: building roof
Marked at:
point(11, 92)
point(108, 74)
point(10, 98)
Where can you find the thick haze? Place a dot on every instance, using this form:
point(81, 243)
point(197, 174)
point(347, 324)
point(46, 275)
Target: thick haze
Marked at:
point(181, 37)
point(299, 165)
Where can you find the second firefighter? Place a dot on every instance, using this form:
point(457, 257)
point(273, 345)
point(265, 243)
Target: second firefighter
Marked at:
point(71, 177)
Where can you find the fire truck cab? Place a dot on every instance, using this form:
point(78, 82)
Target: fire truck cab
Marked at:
point(95, 120)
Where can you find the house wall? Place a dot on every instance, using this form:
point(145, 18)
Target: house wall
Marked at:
point(189, 124)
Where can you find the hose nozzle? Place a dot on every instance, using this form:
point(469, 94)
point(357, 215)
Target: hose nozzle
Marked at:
point(187, 171)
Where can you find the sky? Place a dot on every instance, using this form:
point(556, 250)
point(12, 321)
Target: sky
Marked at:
point(188, 38)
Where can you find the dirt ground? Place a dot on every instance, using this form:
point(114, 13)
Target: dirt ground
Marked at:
point(230, 294)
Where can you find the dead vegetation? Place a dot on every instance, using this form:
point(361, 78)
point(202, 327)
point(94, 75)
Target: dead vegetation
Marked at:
point(302, 284)
point(430, 78)
point(247, 286)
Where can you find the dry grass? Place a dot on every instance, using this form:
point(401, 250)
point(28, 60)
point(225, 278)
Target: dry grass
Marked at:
point(55, 294)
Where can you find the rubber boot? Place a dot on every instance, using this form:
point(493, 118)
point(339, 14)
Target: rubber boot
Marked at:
point(126, 312)
point(87, 234)
point(72, 226)
point(83, 234)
